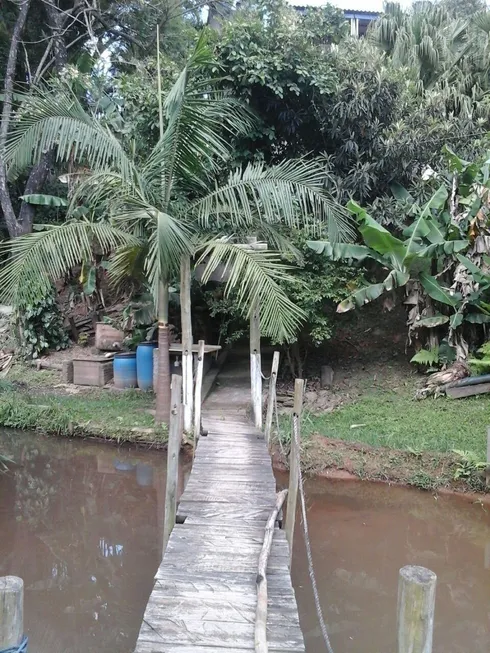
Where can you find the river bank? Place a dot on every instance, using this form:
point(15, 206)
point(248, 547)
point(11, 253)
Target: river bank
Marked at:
point(37, 400)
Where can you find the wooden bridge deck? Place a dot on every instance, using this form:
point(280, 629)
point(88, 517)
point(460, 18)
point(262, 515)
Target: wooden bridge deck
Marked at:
point(204, 598)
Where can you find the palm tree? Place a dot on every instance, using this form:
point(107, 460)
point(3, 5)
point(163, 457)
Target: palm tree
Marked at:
point(178, 201)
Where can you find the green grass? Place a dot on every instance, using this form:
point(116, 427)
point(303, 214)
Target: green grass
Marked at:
point(395, 419)
point(101, 413)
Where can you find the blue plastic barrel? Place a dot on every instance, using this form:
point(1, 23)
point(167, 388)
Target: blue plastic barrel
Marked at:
point(144, 364)
point(125, 370)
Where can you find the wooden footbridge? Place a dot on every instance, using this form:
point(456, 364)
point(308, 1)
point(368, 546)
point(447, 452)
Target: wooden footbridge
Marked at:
point(205, 598)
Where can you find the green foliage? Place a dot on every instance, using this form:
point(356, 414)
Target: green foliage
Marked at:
point(443, 285)
point(41, 326)
point(350, 104)
point(16, 412)
point(426, 357)
point(178, 199)
point(468, 465)
point(481, 365)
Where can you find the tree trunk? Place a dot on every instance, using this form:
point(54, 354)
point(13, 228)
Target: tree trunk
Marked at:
point(162, 412)
point(17, 226)
point(8, 90)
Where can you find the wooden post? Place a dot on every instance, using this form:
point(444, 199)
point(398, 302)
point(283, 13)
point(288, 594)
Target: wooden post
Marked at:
point(271, 397)
point(255, 365)
point(262, 598)
point(198, 395)
point(487, 473)
point(174, 441)
point(185, 312)
point(416, 603)
point(294, 461)
point(11, 612)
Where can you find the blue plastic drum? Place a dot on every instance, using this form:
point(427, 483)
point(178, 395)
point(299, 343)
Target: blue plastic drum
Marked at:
point(144, 364)
point(125, 370)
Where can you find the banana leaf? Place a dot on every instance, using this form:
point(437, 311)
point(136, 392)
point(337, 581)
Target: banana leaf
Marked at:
point(431, 322)
point(44, 200)
point(434, 289)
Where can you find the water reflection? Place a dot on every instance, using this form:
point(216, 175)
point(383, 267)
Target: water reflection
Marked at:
point(362, 534)
point(82, 525)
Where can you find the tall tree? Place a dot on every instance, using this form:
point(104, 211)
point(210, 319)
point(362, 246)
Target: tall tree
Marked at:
point(180, 199)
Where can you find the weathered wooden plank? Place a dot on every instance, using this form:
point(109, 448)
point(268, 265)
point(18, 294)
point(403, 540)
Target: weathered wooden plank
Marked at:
point(157, 647)
point(212, 633)
point(218, 609)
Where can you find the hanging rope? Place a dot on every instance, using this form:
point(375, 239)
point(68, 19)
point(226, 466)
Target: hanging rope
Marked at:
point(306, 535)
point(22, 648)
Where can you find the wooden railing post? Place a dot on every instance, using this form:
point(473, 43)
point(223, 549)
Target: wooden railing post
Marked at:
point(272, 397)
point(187, 372)
point(416, 603)
point(487, 474)
point(294, 462)
point(174, 442)
point(11, 612)
point(256, 366)
point(198, 393)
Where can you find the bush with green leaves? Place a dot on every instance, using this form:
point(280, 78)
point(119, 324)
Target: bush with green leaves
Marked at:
point(41, 326)
point(442, 259)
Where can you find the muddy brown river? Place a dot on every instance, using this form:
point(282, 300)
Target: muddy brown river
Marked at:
point(82, 524)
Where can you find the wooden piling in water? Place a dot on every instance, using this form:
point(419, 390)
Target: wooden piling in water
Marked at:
point(11, 612)
point(416, 604)
point(294, 462)
point(198, 394)
point(271, 397)
point(174, 441)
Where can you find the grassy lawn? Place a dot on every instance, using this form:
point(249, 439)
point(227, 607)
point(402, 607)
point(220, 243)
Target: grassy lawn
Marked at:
point(394, 419)
point(34, 400)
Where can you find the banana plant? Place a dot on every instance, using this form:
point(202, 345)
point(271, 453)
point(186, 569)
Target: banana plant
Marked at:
point(434, 262)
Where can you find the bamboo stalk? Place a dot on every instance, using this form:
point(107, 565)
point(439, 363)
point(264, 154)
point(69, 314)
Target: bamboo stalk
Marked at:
point(198, 393)
point(262, 597)
point(174, 441)
point(294, 461)
point(272, 396)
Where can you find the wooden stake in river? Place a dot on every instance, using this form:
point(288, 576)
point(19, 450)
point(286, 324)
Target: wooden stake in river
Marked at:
point(11, 612)
point(416, 604)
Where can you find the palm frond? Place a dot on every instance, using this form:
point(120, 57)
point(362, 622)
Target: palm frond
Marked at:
point(290, 193)
point(256, 275)
point(198, 119)
point(53, 119)
point(168, 241)
point(42, 257)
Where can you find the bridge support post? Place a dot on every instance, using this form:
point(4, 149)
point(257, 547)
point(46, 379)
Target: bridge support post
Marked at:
point(174, 441)
point(294, 463)
point(256, 366)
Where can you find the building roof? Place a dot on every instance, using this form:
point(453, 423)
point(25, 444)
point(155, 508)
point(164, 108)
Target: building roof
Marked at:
point(364, 6)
